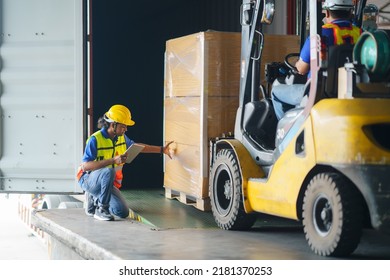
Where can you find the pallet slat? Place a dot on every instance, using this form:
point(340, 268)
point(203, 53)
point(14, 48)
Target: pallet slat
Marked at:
point(202, 204)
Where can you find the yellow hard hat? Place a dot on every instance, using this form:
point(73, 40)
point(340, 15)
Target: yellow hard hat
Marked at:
point(120, 114)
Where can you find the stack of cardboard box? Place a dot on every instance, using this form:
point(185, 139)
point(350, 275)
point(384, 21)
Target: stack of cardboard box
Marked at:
point(201, 99)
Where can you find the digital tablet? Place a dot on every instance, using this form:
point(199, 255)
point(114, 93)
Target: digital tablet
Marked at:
point(133, 151)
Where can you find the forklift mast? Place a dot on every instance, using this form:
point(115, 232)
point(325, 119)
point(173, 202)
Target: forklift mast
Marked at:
point(253, 15)
point(251, 46)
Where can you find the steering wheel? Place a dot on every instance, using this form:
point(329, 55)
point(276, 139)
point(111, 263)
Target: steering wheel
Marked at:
point(293, 69)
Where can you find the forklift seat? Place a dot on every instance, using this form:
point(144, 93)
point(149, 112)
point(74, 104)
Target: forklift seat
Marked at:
point(260, 122)
point(337, 57)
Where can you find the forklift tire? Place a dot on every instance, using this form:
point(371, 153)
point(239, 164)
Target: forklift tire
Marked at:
point(226, 193)
point(332, 215)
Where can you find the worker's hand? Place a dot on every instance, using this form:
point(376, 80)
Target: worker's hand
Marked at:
point(166, 149)
point(120, 159)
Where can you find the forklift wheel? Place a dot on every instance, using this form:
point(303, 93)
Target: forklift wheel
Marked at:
point(332, 215)
point(226, 193)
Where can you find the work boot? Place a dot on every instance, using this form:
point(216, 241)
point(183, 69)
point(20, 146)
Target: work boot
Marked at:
point(90, 206)
point(102, 214)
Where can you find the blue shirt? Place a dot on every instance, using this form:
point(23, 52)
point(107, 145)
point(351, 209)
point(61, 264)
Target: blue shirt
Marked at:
point(90, 151)
point(305, 53)
point(327, 38)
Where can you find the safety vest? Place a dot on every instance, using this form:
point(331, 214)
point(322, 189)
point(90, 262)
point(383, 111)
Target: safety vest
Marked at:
point(348, 34)
point(344, 35)
point(106, 149)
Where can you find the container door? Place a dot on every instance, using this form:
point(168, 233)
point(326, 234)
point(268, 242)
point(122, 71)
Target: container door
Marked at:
point(41, 95)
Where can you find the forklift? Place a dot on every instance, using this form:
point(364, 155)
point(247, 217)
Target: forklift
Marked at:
point(326, 163)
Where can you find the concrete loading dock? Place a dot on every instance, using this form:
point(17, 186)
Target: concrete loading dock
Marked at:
point(170, 230)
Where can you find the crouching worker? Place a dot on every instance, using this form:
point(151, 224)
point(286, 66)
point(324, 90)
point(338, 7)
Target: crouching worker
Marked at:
point(100, 174)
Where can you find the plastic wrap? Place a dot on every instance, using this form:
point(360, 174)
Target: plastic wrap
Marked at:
point(201, 99)
point(191, 127)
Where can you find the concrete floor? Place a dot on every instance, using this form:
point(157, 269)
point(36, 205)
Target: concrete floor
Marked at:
point(165, 229)
point(17, 242)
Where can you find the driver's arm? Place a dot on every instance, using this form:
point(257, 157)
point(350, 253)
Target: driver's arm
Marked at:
point(302, 67)
point(302, 64)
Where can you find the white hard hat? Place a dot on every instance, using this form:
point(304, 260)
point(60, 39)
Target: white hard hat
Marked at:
point(337, 5)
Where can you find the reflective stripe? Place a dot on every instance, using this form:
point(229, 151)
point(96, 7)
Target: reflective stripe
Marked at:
point(118, 176)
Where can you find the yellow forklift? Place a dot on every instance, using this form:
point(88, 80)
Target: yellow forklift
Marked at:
point(325, 163)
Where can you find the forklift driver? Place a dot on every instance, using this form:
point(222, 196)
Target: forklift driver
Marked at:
point(338, 29)
point(100, 174)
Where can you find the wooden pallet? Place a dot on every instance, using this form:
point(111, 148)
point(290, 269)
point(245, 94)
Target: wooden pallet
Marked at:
point(202, 204)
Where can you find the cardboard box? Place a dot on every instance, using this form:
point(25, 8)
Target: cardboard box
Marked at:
point(205, 63)
point(195, 120)
point(185, 173)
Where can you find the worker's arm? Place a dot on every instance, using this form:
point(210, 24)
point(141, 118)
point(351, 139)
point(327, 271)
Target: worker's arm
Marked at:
point(302, 64)
point(94, 165)
point(157, 149)
point(302, 67)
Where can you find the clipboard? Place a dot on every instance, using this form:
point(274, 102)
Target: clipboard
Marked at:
point(133, 151)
